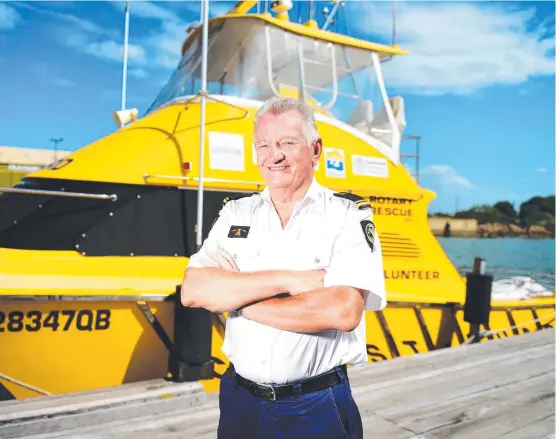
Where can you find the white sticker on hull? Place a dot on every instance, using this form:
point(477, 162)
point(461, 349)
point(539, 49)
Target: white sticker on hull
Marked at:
point(369, 166)
point(226, 151)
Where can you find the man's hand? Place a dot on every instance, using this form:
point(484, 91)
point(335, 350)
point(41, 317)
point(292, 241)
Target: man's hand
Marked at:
point(224, 259)
point(303, 281)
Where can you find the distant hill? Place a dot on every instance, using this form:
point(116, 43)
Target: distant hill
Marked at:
point(535, 213)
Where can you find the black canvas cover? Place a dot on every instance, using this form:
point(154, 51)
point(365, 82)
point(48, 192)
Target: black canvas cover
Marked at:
point(144, 220)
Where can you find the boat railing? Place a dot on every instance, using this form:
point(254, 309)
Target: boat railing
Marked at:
point(112, 197)
point(517, 275)
point(148, 179)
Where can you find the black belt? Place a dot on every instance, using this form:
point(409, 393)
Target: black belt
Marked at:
point(274, 392)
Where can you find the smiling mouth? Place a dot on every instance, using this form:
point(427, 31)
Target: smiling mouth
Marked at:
point(278, 168)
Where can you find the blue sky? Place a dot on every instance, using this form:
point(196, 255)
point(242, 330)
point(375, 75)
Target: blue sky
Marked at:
point(478, 83)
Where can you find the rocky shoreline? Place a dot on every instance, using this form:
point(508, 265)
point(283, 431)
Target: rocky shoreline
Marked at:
point(497, 230)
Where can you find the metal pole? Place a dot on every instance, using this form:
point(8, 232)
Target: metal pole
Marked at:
point(331, 15)
point(126, 39)
point(56, 140)
point(417, 161)
point(204, 20)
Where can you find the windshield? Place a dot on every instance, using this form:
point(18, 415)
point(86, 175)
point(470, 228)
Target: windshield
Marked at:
point(252, 59)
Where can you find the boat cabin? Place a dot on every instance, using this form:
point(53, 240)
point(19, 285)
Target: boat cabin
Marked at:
point(256, 57)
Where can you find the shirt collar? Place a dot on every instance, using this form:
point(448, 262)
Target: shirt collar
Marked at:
point(314, 192)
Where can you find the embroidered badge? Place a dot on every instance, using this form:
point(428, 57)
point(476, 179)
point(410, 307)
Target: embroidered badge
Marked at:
point(369, 231)
point(238, 232)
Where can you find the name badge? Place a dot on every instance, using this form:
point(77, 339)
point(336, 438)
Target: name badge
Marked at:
point(238, 232)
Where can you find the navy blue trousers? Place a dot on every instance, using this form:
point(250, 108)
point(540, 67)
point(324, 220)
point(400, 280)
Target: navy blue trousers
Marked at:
point(327, 414)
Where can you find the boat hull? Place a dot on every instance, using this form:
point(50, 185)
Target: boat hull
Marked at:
point(58, 346)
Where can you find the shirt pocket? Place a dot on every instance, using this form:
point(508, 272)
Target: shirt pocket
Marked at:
point(311, 257)
point(242, 251)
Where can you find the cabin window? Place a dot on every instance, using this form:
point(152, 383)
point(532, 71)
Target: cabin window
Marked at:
point(251, 59)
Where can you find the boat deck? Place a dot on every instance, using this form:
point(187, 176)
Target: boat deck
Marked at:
point(498, 389)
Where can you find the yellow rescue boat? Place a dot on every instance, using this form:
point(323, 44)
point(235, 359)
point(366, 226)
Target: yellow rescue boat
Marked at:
point(93, 247)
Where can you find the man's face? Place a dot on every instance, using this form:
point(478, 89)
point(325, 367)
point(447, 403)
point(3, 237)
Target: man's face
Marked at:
point(283, 155)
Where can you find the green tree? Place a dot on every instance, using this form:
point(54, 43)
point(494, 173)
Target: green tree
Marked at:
point(537, 210)
point(508, 215)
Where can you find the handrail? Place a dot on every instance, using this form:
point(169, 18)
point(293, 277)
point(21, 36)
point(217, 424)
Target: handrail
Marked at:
point(396, 135)
point(269, 61)
point(112, 197)
point(418, 196)
point(211, 180)
point(86, 298)
point(334, 80)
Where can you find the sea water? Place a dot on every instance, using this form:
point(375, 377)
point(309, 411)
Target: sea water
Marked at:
point(536, 255)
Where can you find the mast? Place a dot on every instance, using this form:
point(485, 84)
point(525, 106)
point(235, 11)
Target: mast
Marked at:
point(126, 39)
point(203, 93)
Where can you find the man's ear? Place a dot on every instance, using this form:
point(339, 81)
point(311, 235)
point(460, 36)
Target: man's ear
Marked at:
point(317, 148)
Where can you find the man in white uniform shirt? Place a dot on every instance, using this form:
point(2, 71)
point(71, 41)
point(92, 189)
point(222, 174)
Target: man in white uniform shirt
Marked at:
point(295, 266)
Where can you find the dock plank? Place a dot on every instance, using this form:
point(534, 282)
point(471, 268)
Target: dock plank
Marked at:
point(499, 389)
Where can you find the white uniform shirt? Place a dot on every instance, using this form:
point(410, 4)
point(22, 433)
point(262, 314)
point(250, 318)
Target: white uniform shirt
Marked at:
point(324, 231)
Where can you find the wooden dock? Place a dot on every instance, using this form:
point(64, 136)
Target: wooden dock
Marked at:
point(498, 389)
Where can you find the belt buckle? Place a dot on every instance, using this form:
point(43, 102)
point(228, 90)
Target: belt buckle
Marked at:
point(271, 387)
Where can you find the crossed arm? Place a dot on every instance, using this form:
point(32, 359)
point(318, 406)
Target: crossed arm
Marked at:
point(310, 307)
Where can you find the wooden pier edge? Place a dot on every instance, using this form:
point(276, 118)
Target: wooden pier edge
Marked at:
point(496, 389)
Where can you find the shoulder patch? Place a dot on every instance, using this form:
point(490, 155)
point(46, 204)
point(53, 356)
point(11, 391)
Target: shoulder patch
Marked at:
point(369, 232)
point(361, 202)
point(237, 197)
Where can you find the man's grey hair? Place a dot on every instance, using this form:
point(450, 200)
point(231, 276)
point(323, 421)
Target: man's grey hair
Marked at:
point(278, 105)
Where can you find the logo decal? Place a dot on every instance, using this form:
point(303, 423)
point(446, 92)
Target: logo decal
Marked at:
point(369, 232)
point(238, 232)
point(335, 163)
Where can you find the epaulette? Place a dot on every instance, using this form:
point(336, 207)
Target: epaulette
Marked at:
point(237, 197)
point(231, 198)
point(361, 202)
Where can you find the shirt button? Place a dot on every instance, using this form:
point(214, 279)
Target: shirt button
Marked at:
point(317, 260)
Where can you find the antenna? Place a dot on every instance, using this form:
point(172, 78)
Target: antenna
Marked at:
point(126, 42)
point(56, 140)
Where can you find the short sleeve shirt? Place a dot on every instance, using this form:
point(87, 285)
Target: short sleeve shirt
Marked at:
point(326, 231)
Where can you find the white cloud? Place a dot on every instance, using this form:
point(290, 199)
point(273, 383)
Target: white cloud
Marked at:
point(216, 8)
point(137, 73)
point(75, 22)
point(145, 9)
point(541, 170)
point(112, 51)
point(163, 45)
point(50, 75)
point(446, 175)
point(9, 17)
point(460, 47)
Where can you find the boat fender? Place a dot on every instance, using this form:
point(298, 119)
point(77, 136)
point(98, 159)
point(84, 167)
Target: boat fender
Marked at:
point(361, 202)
